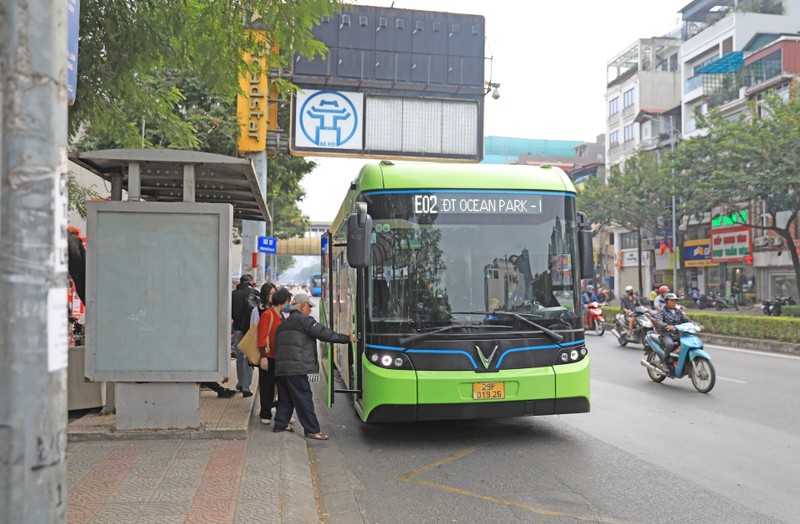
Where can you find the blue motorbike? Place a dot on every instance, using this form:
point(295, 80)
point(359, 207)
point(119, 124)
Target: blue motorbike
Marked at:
point(691, 359)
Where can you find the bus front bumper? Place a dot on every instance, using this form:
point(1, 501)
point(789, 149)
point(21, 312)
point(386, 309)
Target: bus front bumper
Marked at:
point(448, 395)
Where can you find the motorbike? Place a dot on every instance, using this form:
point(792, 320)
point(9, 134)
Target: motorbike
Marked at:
point(692, 360)
point(721, 303)
point(642, 325)
point(774, 307)
point(706, 302)
point(594, 317)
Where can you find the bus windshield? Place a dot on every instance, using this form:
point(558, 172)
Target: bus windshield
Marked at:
point(450, 257)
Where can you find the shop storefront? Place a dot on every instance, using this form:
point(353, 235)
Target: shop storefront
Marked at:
point(731, 248)
point(702, 273)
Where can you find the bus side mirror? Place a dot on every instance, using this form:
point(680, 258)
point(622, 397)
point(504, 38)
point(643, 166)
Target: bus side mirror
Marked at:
point(585, 249)
point(359, 231)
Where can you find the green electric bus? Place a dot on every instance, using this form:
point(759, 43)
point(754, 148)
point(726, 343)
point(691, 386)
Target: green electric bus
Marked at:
point(461, 283)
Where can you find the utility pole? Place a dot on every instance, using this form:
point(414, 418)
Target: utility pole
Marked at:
point(674, 227)
point(33, 261)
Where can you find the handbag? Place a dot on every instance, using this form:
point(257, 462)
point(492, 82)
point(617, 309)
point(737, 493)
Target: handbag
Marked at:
point(249, 345)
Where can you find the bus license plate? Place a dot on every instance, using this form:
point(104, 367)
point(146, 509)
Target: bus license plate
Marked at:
point(488, 390)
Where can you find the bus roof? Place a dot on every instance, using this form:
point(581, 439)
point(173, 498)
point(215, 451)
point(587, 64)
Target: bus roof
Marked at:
point(386, 175)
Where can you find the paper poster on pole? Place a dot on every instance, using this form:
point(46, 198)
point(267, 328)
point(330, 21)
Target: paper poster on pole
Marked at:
point(57, 326)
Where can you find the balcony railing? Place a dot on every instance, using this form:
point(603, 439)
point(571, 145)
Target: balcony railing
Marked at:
point(696, 82)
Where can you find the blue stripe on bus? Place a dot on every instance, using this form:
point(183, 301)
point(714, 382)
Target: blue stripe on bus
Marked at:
point(477, 191)
point(472, 360)
point(534, 348)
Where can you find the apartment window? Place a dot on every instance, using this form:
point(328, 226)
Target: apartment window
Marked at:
point(613, 106)
point(627, 98)
point(628, 132)
point(613, 138)
point(628, 241)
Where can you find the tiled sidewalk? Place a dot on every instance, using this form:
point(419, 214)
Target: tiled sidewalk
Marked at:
point(231, 470)
point(263, 479)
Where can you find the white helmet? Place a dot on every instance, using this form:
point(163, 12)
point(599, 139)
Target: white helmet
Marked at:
point(628, 288)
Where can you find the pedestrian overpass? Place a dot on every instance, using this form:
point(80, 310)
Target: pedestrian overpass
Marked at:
point(309, 245)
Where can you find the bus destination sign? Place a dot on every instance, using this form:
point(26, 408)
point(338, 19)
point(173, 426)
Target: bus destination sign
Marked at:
point(501, 204)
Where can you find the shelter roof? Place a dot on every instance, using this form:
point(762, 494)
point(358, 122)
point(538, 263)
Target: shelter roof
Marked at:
point(219, 179)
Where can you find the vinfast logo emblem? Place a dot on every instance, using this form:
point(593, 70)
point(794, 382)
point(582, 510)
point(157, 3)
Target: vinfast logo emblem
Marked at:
point(486, 361)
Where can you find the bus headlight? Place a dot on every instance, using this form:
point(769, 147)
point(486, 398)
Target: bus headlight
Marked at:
point(388, 359)
point(571, 355)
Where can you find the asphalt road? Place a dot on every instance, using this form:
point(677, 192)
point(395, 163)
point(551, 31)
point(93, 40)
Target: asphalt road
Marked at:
point(647, 452)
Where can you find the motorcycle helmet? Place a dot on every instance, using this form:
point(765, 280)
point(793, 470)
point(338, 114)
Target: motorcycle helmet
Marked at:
point(663, 289)
point(628, 288)
point(671, 296)
point(590, 288)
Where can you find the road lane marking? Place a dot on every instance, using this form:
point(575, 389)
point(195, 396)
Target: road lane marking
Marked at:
point(754, 352)
point(732, 380)
point(409, 477)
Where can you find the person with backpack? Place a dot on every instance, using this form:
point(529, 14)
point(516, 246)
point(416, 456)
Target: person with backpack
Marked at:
point(243, 299)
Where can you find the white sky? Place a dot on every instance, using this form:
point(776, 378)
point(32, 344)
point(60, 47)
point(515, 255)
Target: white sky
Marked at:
point(550, 60)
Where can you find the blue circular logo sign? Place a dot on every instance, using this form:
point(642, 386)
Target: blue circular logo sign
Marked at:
point(328, 119)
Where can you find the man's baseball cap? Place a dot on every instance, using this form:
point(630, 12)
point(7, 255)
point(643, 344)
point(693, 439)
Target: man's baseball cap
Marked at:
point(301, 298)
point(246, 278)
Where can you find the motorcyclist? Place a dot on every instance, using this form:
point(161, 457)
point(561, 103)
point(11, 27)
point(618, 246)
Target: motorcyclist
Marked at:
point(660, 301)
point(666, 320)
point(586, 297)
point(628, 304)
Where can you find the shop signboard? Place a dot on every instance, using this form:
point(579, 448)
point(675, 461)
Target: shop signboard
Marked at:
point(697, 253)
point(731, 245)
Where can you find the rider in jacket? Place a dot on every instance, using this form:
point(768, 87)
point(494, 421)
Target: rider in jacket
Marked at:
point(666, 320)
point(628, 303)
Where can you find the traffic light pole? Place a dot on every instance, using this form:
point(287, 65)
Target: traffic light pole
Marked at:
point(33, 261)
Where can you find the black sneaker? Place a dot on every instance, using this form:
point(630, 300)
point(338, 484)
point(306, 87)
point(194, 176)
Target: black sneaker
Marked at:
point(246, 394)
point(226, 393)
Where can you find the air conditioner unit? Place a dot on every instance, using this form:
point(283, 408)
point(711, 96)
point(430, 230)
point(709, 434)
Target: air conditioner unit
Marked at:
point(761, 241)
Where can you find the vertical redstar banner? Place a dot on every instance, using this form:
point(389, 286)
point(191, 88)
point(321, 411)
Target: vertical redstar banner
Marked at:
point(253, 108)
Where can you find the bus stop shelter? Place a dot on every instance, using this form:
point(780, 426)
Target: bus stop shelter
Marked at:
point(158, 277)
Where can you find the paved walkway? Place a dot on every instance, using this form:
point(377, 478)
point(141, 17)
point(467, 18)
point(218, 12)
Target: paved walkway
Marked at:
point(232, 470)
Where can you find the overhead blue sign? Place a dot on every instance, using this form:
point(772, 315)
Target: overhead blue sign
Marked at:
point(268, 245)
point(73, 17)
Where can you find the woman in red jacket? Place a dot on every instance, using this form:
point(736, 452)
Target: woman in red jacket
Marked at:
point(267, 325)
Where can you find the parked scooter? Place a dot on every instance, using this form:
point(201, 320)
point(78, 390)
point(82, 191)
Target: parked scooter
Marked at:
point(721, 303)
point(690, 359)
point(594, 318)
point(706, 301)
point(642, 325)
point(774, 307)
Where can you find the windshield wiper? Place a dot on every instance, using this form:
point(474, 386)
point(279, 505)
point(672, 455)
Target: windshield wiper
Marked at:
point(413, 339)
point(555, 337)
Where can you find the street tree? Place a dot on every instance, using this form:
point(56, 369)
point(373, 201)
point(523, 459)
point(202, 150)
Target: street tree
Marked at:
point(750, 161)
point(127, 47)
point(629, 199)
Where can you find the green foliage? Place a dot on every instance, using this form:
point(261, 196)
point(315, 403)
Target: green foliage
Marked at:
point(755, 158)
point(630, 198)
point(126, 48)
point(791, 311)
point(77, 195)
point(782, 329)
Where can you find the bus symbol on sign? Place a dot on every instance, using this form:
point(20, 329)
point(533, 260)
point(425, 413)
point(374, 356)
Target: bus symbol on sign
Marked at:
point(268, 245)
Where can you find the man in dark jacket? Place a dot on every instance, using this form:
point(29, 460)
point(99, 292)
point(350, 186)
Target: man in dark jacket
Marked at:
point(296, 358)
point(242, 300)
